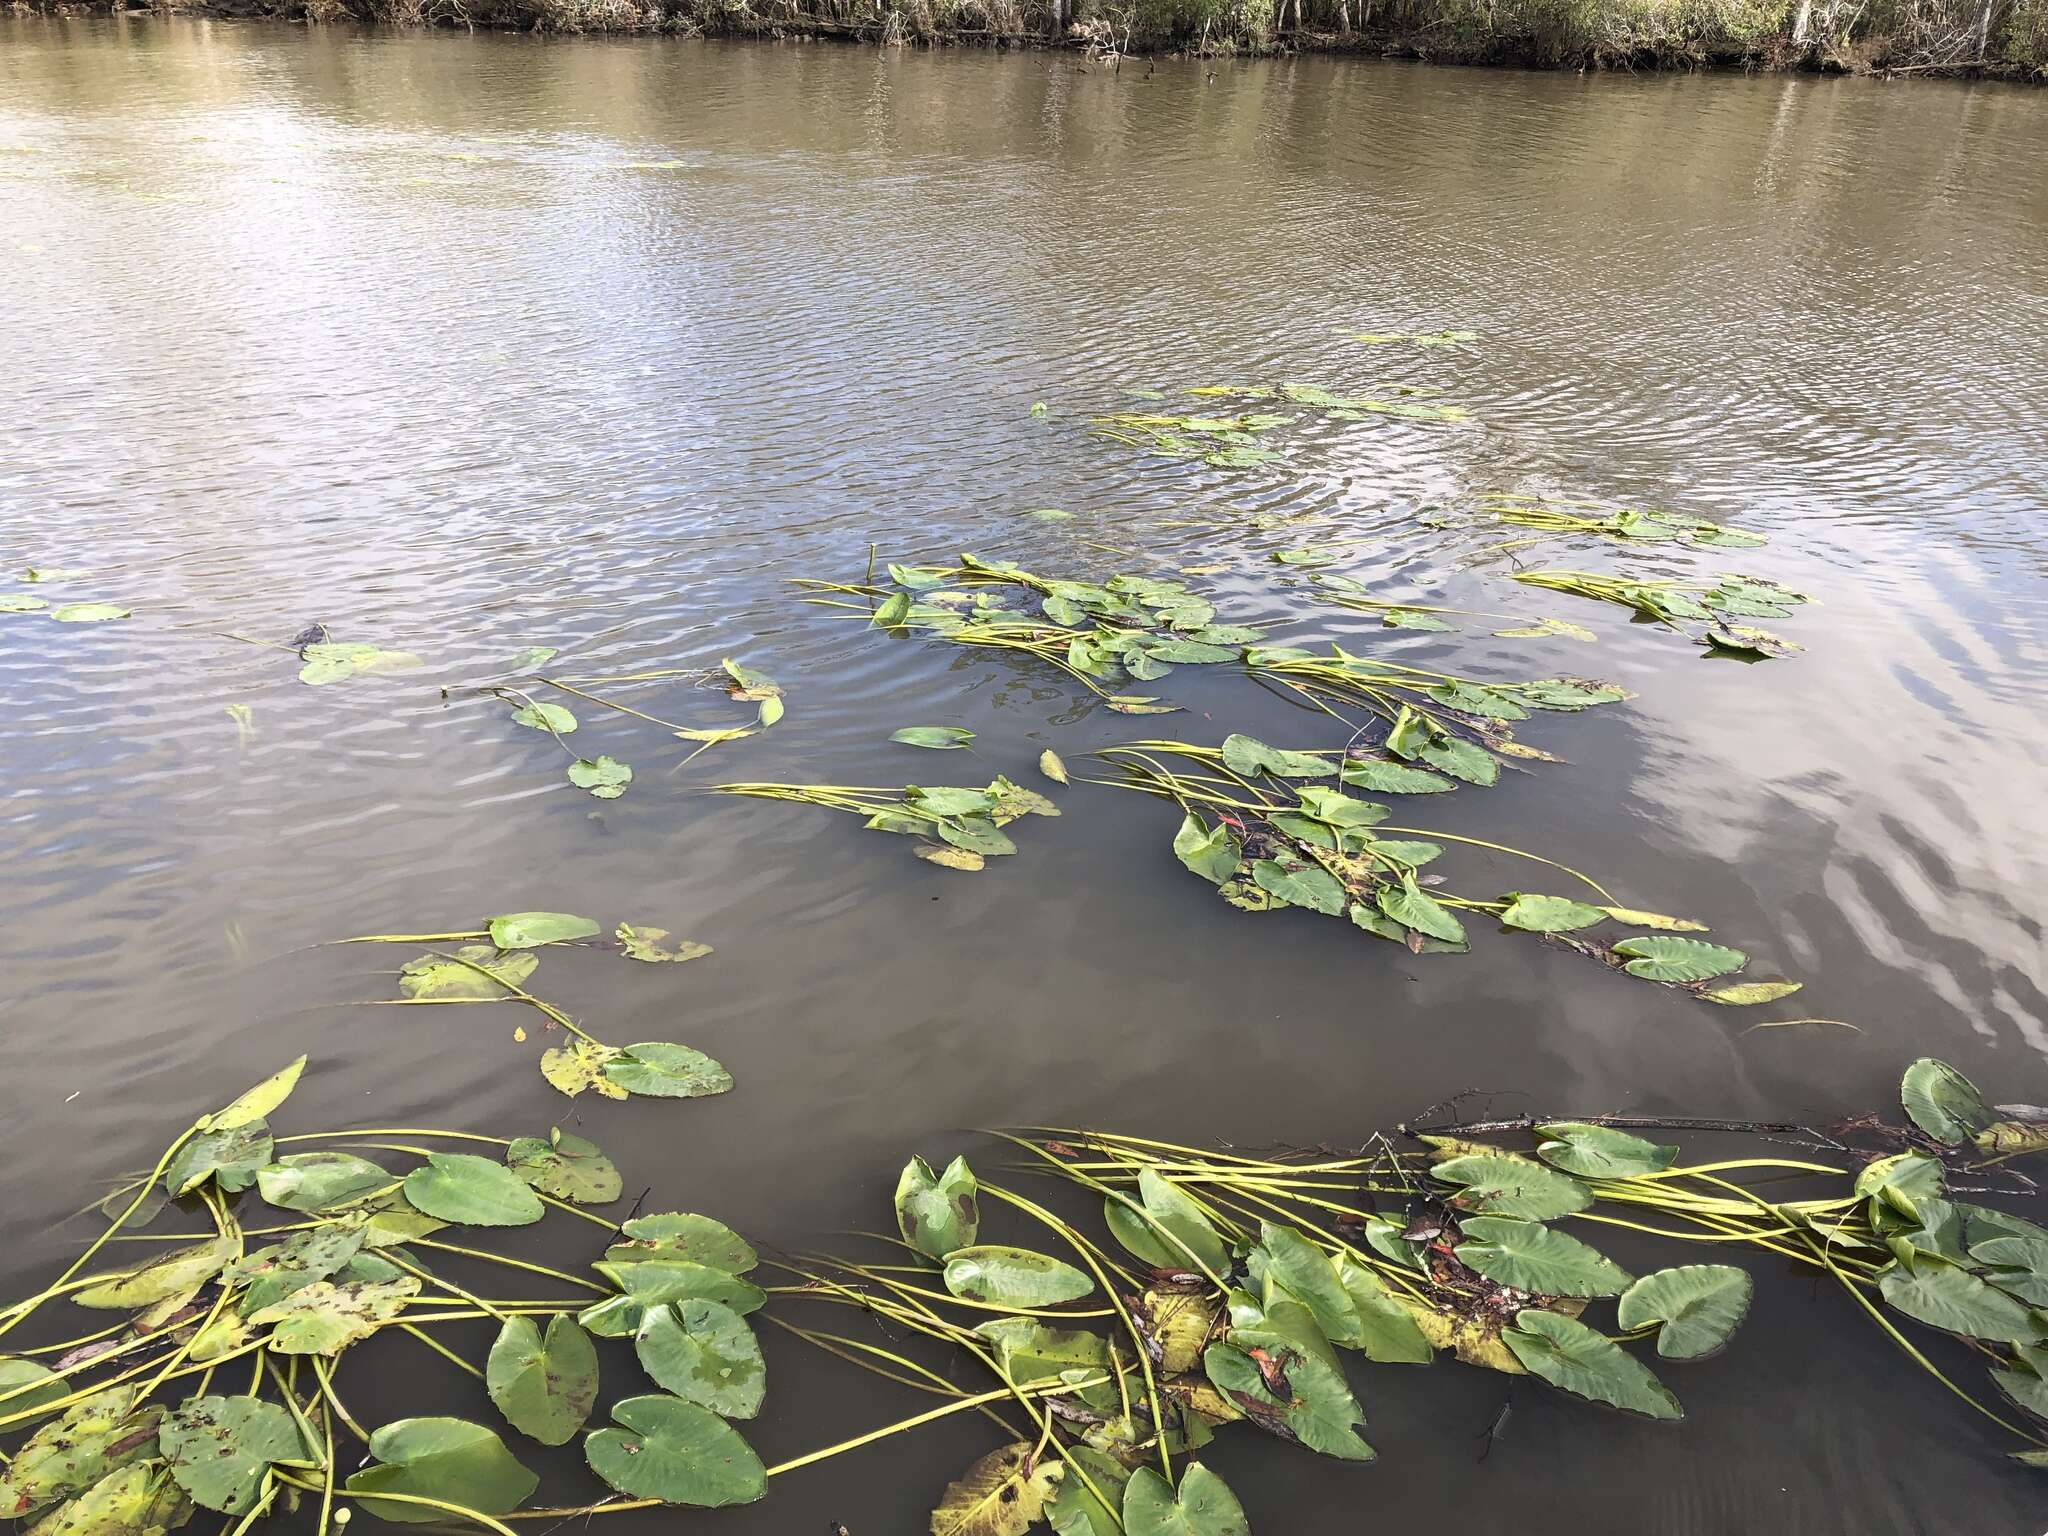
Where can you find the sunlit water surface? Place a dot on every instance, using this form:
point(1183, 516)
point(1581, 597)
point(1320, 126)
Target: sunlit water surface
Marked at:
point(463, 344)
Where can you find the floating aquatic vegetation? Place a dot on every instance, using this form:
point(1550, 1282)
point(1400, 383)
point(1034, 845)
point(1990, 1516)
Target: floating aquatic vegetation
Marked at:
point(937, 737)
point(1256, 826)
point(1246, 438)
point(1348, 592)
point(967, 823)
point(1628, 525)
point(331, 661)
point(1228, 1290)
point(1139, 628)
point(62, 613)
point(498, 969)
point(1420, 338)
point(1672, 602)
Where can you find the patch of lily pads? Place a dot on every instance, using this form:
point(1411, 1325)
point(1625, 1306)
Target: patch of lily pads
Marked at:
point(1716, 605)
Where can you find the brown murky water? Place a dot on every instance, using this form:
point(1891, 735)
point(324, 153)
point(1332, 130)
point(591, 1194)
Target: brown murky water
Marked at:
point(463, 344)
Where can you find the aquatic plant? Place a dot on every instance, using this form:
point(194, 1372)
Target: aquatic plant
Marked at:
point(1348, 592)
point(967, 823)
point(1557, 517)
point(1256, 827)
point(497, 971)
point(1243, 439)
point(1673, 602)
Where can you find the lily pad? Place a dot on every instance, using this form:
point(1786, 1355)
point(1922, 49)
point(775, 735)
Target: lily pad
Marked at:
point(578, 1065)
point(530, 930)
point(1289, 1392)
point(450, 1461)
point(1013, 1277)
point(28, 1385)
point(472, 1191)
point(545, 1387)
point(938, 737)
point(1943, 1296)
point(479, 971)
point(1210, 852)
point(677, 1452)
point(1300, 885)
point(1659, 957)
point(545, 717)
point(1052, 766)
point(1747, 994)
point(685, 1236)
point(1249, 758)
point(1600, 1151)
point(1697, 1305)
point(1549, 914)
point(331, 662)
point(21, 602)
point(565, 1166)
point(1500, 1185)
point(704, 1353)
point(963, 859)
point(1408, 905)
point(1532, 1257)
point(258, 1102)
point(170, 1274)
point(229, 1157)
point(605, 777)
point(1942, 1102)
point(1385, 777)
point(937, 1214)
point(221, 1448)
point(1005, 1493)
point(656, 1069)
point(324, 1318)
point(88, 613)
point(1568, 1354)
point(649, 944)
point(68, 1455)
point(1202, 1506)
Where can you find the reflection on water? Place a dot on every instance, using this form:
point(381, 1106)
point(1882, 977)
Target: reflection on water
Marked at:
point(460, 345)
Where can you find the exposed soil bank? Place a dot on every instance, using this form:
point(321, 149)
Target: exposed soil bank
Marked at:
point(2002, 38)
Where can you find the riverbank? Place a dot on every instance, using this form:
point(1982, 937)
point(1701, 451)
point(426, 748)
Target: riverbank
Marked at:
point(1997, 38)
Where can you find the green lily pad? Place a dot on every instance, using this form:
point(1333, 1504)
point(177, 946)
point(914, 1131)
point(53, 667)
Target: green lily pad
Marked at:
point(324, 1318)
point(332, 661)
point(656, 1069)
point(1285, 1258)
point(449, 1461)
point(1943, 1296)
point(565, 1166)
point(1567, 1354)
point(1386, 1330)
point(1383, 777)
point(1549, 914)
point(221, 1448)
point(488, 973)
point(270, 1274)
point(677, 1452)
point(472, 1191)
point(1300, 885)
point(938, 737)
point(1532, 1257)
point(1697, 1305)
point(27, 1385)
point(652, 1283)
point(545, 717)
point(1408, 905)
point(545, 1387)
point(21, 602)
point(1248, 757)
point(68, 1455)
point(1312, 1404)
point(1660, 957)
point(685, 1236)
point(1512, 1186)
point(1600, 1151)
point(1942, 1102)
point(704, 1353)
point(1013, 1277)
point(1167, 1209)
point(170, 1274)
point(231, 1158)
point(320, 1181)
point(605, 777)
point(258, 1102)
point(88, 613)
point(937, 1214)
point(1202, 1506)
point(530, 930)
point(134, 1500)
point(1747, 994)
point(1209, 852)
point(1076, 1509)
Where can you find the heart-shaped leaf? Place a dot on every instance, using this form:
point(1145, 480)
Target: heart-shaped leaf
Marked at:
point(1660, 957)
point(1202, 1506)
point(656, 1069)
point(321, 1181)
point(937, 1213)
point(677, 1452)
point(1003, 1494)
point(545, 1387)
point(1942, 1102)
point(472, 1191)
point(1698, 1306)
point(170, 1274)
point(684, 1236)
point(449, 1461)
point(1600, 1151)
point(220, 1448)
point(1288, 1391)
point(565, 1166)
point(529, 930)
point(229, 1157)
point(1568, 1354)
point(324, 1318)
point(937, 737)
point(1502, 1185)
point(479, 971)
point(1531, 1257)
point(1549, 914)
point(704, 1353)
point(1013, 1277)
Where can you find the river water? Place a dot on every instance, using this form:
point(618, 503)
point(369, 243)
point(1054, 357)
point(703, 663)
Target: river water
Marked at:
point(460, 344)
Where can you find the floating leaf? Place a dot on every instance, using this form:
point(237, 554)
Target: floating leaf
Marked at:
point(1748, 641)
point(171, 1274)
point(88, 613)
point(565, 1166)
point(772, 709)
point(1568, 1354)
point(1942, 1102)
point(545, 717)
point(533, 656)
point(259, 1101)
point(1051, 766)
point(478, 971)
point(1498, 1184)
point(1698, 1306)
point(1600, 1151)
point(1300, 885)
point(704, 1353)
point(451, 1461)
point(579, 1065)
point(892, 613)
point(530, 930)
point(270, 1274)
point(748, 685)
point(1532, 1257)
point(1249, 758)
point(330, 662)
point(1549, 914)
point(472, 1191)
point(1013, 1277)
point(1658, 957)
point(1943, 1296)
point(220, 1449)
point(938, 737)
point(665, 1278)
point(1390, 778)
point(21, 602)
point(1386, 1330)
point(69, 1455)
point(1311, 1404)
point(950, 858)
point(1407, 905)
point(938, 1214)
point(686, 1236)
point(657, 1069)
point(1076, 1510)
point(646, 944)
point(1165, 1208)
point(677, 1452)
point(229, 1157)
point(605, 777)
point(1003, 1494)
point(135, 1500)
point(1746, 994)
point(1209, 852)
point(1203, 1505)
point(27, 1386)
point(545, 1387)
point(324, 1318)
point(1657, 920)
